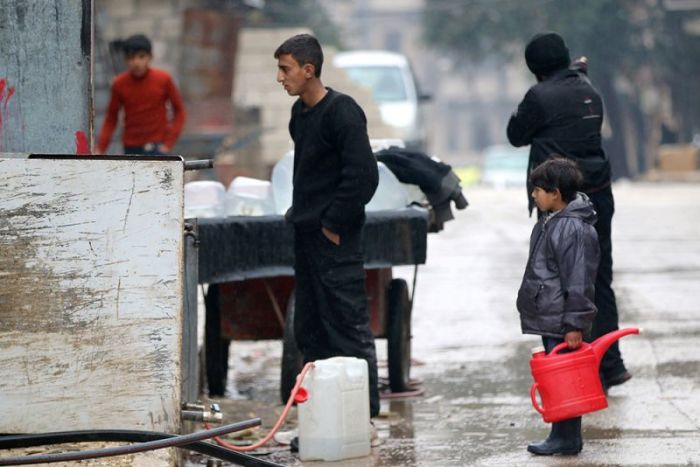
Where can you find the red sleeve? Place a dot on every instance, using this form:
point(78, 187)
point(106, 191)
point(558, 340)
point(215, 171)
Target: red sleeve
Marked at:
point(110, 122)
point(174, 129)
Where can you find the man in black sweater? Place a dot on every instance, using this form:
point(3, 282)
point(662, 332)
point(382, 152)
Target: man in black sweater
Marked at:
point(563, 114)
point(335, 176)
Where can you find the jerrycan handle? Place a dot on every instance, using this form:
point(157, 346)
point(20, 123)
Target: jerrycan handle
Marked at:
point(559, 347)
point(533, 396)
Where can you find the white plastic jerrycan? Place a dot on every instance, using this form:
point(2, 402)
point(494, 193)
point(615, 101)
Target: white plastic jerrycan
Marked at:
point(334, 421)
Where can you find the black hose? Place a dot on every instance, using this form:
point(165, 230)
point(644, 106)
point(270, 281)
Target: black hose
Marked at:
point(146, 441)
point(131, 436)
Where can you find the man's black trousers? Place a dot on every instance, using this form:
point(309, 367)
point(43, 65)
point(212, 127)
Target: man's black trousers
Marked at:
point(331, 316)
point(606, 320)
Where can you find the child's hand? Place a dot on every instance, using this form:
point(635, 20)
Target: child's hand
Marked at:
point(573, 339)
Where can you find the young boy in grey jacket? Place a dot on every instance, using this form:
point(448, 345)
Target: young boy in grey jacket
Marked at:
point(556, 297)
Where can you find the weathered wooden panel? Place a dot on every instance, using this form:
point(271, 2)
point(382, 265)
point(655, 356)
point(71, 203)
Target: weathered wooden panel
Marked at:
point(90, 294)
point(45, 84)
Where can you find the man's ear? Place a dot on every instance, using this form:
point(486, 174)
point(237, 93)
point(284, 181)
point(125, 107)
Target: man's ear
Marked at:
point(309, 71)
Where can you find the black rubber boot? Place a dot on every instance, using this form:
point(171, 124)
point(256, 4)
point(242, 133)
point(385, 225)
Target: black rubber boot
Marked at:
point(565, 438)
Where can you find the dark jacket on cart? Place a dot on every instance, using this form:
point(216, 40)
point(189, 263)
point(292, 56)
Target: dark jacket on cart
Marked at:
point(436, 180)
point(563, 114)
point(331, 186)
point(558, 287)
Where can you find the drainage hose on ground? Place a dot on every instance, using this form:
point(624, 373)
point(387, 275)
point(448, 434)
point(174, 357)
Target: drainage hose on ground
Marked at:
point(158, 441)
point(128, 436)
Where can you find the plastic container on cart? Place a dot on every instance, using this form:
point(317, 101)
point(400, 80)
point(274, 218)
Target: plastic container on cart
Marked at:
point(282, 177)
point(204, 198)
point(249, 197)
point(334, 421)
point(390, 193)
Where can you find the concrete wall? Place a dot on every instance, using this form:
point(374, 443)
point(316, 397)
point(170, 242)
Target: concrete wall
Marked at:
point(45, 88)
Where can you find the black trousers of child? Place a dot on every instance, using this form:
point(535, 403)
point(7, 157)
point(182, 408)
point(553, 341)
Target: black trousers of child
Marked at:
point(331, 316)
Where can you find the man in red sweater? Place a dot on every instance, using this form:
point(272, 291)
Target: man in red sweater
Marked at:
point(143, 93)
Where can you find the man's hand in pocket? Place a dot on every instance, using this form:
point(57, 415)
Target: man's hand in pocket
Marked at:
point(330, 235)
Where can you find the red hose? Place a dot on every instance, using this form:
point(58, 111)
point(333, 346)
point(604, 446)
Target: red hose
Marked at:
point(281, 418)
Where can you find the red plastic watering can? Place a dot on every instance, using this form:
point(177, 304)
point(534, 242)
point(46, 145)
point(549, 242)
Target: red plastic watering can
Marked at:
point(569, 383)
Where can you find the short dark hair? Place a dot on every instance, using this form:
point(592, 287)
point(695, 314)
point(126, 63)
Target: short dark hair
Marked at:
point(558, 173)
point(137, 43)
point(304, 48)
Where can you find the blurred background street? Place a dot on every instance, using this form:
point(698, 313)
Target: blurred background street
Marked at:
point(467, 61)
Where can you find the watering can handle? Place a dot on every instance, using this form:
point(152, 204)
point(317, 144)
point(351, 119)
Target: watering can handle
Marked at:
point(557, 348)
point(533, 396)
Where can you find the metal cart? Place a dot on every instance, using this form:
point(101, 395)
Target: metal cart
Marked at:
point(247, 262)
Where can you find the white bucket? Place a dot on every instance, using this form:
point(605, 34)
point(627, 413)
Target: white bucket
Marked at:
point(334, 421)
point(204, 198)
point(249, 197)
point(390, 192)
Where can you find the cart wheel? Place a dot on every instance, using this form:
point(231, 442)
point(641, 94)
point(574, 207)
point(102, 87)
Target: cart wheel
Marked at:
point(292, 360)
point(398, 336)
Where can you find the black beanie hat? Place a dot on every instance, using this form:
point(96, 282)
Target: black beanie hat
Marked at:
point(546, 53)
point(137, 43)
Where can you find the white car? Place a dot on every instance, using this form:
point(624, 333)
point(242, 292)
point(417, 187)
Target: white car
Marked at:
point(394, 88)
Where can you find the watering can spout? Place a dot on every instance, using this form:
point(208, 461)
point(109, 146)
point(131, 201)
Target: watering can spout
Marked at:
point(601, 345)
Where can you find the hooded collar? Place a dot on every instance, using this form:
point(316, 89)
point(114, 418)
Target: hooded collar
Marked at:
point(581, 207)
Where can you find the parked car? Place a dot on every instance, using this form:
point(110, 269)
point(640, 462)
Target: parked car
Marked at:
point(394, 89)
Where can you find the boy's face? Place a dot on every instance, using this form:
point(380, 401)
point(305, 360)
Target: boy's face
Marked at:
point(546, 201)
point(293, 76)
point(138, 63)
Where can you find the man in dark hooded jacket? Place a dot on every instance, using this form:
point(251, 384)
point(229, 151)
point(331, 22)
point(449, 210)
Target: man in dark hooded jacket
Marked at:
point(563, 114)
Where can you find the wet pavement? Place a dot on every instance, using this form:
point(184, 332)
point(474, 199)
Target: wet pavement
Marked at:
point(473, 361)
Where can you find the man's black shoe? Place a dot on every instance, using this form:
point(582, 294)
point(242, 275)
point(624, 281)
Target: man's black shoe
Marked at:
point(294, 444)
point(616, 380)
